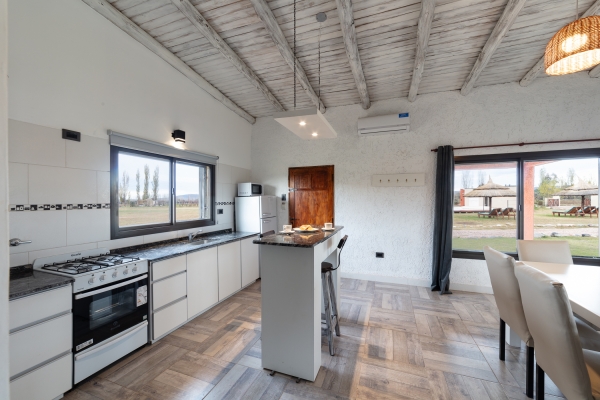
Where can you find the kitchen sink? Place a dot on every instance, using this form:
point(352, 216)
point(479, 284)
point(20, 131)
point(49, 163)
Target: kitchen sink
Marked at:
point(202, 241)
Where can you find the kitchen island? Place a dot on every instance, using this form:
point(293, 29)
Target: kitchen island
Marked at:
point(292, 299)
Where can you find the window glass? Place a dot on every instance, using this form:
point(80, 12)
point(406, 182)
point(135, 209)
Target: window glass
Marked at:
point(561, 203)
point(143, 190)
point(191, 192)
point(485, 206)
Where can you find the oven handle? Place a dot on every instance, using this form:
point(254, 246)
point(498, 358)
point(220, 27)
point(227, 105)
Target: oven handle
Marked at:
point(88, 294)
point(89, 353)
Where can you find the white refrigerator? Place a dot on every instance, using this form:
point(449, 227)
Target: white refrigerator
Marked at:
point(256, 214)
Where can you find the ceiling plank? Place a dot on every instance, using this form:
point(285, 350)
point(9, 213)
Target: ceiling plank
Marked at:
point(116, 17)
point(266, 15)
point(511, 11)
point(423, 31)
point(539, 66)
point(595, 72)
point(194, 16)
point(346, 16)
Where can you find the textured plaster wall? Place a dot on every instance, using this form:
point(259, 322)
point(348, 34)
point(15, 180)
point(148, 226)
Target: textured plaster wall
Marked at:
point(399, 221)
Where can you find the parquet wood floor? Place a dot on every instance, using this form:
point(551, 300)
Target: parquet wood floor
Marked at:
point(398, 342)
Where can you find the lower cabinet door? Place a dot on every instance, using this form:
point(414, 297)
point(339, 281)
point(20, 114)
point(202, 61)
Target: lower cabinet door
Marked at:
point(250, 270)
point(169, 318)
point(202, 280)
point(46, 382)
point(230, 272)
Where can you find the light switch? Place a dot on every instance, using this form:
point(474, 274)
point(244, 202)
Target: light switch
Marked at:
point(398, 180)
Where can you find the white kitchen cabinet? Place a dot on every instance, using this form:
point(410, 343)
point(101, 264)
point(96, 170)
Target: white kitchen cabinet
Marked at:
point(171, 266)
point(169, 318)
point(46, 382)
point(249, 261)
point(168, 290)
point(39, 307)
point(230, 272)
point(202, 280)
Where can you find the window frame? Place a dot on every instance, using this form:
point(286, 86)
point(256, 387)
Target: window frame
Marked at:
point(520, 159)
point(117, 232)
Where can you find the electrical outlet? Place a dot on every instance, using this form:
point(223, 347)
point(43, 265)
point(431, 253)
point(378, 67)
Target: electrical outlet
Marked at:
point(378, 254)
point(219, 211)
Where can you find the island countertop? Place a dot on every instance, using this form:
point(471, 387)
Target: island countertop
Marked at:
point(298, 239)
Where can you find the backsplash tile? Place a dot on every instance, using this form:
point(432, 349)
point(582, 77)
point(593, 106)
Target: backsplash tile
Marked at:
point(45, 229)
point(60, 250)
point(87, 227)
point(61, 185)
point(90, 153)
point(103, 181)
point(35, 144)
point(18, 180)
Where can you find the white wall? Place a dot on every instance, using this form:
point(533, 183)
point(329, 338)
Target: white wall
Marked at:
point(3, 202)
point(71, 68)
point(399, 221)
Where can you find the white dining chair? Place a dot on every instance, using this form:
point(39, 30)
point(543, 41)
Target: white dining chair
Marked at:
point(551, 251)
point(575, 371)
point(558, 252)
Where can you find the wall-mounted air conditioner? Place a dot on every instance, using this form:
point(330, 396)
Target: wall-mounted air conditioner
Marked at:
point(383, 125)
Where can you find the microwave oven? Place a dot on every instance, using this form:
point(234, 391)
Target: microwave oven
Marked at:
point(249, 189)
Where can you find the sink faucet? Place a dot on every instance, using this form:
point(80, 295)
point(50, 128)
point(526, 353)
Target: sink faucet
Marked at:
point(191, 236)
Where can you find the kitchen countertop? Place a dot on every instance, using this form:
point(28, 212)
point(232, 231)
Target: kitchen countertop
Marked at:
point(173, 249)
point(307, 240)
point(24, 281)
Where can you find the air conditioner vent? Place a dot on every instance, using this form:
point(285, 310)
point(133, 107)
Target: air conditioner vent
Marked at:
point(383, 125)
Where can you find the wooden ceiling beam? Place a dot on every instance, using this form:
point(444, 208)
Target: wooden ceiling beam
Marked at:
point(423, 31)
point(200, 23)
point(539, 66)
point(116, 17)
point(266, 15)
point(349, 34)
point(511, 11)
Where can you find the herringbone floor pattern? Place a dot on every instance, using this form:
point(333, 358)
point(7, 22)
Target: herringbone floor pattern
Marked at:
point(398, 342)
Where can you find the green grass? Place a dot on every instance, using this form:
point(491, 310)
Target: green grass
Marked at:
point(541, 216)
point(130, 216)
point(580, 246)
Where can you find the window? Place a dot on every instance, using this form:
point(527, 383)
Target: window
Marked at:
point(153, 193)
point(536, 196)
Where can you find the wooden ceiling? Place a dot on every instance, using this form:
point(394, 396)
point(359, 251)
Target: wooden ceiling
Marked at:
point(244, 66)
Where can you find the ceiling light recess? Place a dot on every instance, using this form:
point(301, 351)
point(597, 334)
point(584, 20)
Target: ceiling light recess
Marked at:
point(315, 122)
point(574, 48)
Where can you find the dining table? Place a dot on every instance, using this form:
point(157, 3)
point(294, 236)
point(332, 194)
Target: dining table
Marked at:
point(582, 283)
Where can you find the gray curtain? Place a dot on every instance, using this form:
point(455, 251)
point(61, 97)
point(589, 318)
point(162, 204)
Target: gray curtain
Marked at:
point(442, 230)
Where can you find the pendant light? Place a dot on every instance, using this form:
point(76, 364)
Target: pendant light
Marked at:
point(307, 123)
point(574, 48)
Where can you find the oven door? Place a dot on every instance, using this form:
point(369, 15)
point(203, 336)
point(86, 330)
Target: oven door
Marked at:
point(101, 313)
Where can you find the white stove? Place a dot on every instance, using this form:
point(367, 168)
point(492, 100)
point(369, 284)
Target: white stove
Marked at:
point(110, 305)
point(92, 268)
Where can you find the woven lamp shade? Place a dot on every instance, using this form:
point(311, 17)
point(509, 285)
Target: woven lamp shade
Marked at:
point(574, 48)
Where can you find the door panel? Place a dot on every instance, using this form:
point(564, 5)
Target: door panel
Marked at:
point(312, 195)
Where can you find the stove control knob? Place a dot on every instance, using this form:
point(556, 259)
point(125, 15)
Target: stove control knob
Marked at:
point(114, 274)
point(102, 277)
point(135, 269)
point(91, 281)
point(126, 271)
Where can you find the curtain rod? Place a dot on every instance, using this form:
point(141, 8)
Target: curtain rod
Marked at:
point(522, 144)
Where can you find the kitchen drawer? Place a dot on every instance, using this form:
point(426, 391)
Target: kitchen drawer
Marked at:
point(169, 318)
point(169, 267)
point(168, 290)
point(47, 382)
point(31, 309)
point(39, 343)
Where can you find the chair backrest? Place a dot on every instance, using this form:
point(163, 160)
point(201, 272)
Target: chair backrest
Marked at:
point(266, 234)
point(551, 251)
point(340, 246)
point(506, 292)
point(550, 320)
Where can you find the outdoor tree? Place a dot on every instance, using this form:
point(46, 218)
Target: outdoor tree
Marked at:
point(571, 177)
point(548, 184)
point(481, 178)
point(145, 195)
point(124, 188)
point(467, 180)
point(155, 185)
point(137, 185)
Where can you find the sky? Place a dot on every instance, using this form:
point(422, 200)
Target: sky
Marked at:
point(585, 168)
point(188, 176)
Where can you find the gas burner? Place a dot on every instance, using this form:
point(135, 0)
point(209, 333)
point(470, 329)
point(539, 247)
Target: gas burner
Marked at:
point(72, 267)
point(110, 260)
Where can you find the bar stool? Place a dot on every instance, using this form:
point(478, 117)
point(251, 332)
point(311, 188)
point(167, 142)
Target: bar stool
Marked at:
point(329, 298)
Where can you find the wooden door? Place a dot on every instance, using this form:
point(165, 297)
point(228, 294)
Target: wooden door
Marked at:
point(311, 195)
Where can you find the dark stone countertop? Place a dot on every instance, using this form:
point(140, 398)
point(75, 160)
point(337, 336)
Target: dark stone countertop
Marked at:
point(177, 248)
point(24, 281)
point(307, 240)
